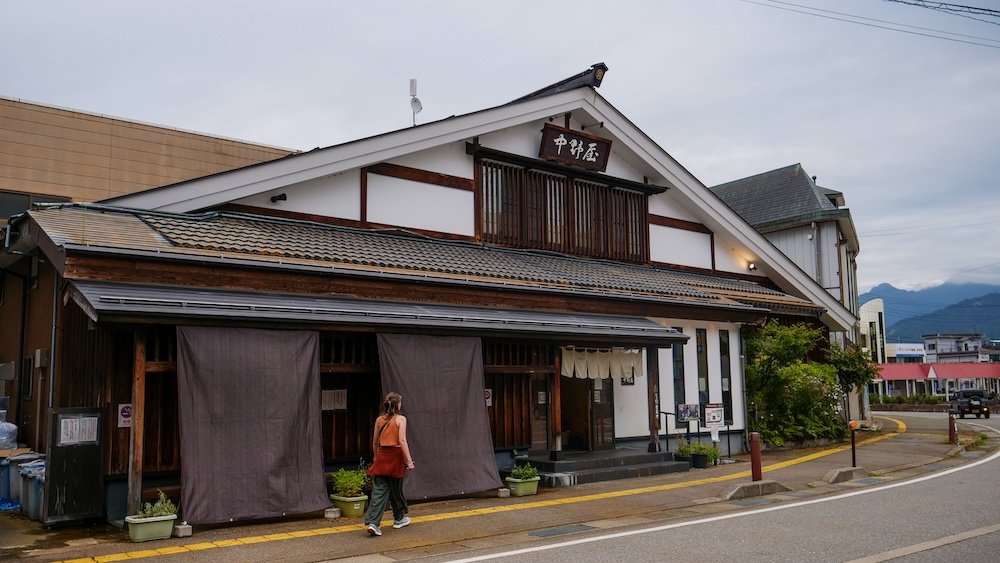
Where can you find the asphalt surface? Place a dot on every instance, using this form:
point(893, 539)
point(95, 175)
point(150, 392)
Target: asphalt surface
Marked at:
point(906, 446)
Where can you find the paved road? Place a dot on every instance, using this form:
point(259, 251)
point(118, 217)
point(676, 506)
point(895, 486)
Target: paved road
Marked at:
point(946, 516)
point(683, 502)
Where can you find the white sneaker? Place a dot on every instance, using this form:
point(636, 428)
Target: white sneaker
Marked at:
point(374, 530)
point(401, 523)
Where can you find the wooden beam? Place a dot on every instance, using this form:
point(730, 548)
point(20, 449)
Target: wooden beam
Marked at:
point(136, 434)
point(652, 379)
point(556, 410)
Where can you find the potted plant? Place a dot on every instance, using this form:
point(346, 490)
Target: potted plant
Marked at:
point(349, 491)
point(154, 521)
point(523, 480)
point(701, 454)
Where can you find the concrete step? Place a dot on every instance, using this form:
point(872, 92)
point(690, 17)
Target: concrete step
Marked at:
point(595, 475)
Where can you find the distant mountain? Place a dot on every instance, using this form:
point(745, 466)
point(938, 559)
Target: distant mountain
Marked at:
point(979, 314)
point(902, 304)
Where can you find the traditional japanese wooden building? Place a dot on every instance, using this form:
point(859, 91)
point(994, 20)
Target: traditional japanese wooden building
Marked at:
point(539, 276)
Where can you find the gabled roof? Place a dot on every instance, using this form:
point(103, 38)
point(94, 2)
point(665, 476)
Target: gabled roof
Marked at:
point(785, 198)
point(965, 370)
point(240, 239)
point(780, 195)
point(584, 103)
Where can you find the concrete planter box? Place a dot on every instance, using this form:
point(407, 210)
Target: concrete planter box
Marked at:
point(152, 528)
point(522, 487)
point(350, 506)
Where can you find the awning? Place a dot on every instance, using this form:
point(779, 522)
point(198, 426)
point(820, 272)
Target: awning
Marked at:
point(138, 303)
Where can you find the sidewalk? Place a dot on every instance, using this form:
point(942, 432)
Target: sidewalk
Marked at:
point(450, 526)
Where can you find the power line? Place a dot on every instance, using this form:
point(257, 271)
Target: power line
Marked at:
point(920, 228)
point(854, 21)
point(953, 9)
point(884, 21)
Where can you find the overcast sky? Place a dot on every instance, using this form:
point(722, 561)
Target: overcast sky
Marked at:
point(905, 125)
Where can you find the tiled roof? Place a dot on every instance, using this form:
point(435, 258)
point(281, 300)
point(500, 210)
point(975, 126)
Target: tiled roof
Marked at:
point(779, 195)
point(285, 242)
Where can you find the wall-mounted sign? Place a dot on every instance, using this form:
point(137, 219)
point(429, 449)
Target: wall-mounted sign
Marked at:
point(575, 148)
point(909, 350)
point(125, 415)
point(77, 429)
point(715, 414)
point(334, 400)
point(489, 397)
point(686, 412)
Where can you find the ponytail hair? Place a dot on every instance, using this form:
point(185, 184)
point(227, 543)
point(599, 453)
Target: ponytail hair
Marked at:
point(391, 405)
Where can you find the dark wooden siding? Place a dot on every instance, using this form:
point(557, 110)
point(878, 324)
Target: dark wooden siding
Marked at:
point(508, 367)
point(350, 362)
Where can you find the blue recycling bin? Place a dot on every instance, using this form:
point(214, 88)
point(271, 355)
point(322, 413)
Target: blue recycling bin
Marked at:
point(4, 478)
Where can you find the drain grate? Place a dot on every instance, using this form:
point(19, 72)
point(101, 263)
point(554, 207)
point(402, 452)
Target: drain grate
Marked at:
point(562, 530)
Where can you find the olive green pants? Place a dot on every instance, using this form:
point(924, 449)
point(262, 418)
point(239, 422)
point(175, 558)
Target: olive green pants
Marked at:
point(386, 490)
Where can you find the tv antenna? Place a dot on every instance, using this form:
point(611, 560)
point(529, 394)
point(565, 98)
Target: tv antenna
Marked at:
point(415, 104)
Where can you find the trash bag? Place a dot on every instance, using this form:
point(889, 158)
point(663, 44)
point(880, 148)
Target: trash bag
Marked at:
point(8, 436)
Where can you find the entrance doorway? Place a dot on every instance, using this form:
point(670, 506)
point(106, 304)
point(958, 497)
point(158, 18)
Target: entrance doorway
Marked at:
point(587, 407)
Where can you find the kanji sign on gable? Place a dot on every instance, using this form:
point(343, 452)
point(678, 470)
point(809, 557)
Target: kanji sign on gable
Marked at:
point(575, 148)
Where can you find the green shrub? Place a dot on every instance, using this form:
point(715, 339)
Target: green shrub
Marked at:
point(162, 507)
point(348, 482)
point(711, 451)
point(526, 471)
point(790, 398)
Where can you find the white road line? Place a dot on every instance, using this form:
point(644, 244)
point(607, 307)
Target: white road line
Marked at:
point(727, 516)
point(927, 545)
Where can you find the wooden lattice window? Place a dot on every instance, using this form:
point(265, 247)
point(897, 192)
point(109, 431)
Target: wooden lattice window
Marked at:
point(547, 211)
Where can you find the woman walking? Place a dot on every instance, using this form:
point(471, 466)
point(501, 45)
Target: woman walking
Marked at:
point(392, 454)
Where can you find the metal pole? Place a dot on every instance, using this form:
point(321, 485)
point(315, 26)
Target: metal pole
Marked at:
point(729, 446)
point(755, 467)
point(854, 457)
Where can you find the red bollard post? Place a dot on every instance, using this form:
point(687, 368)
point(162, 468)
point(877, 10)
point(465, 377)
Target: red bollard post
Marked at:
point(952, 429)
point(755, 468)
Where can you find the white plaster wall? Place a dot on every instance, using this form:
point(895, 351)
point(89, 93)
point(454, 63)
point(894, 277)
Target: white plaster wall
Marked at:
point(447, 159)
point(678, 246)
point(666, 205)
point(332, 196)
point(631, 412)
point(522, 140)
point(731, 256)
point(667, 398)
point(404, 203)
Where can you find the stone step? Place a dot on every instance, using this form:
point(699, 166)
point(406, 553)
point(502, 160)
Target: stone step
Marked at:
point(595, 475)
point(581, 463)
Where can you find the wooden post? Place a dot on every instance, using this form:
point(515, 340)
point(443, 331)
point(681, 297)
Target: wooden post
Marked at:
point(556, 453)
point(138, 418)
point(652, 379)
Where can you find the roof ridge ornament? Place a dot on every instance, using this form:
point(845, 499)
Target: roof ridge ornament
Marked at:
point(591, 77)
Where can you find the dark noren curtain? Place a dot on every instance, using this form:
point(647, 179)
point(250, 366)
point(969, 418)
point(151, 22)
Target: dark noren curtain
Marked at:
point(441, 381)
point(249, 404)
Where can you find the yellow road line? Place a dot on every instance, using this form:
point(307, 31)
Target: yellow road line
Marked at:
point(901, 427)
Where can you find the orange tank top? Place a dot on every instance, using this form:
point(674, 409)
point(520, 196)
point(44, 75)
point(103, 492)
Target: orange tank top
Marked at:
point(390, 434)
